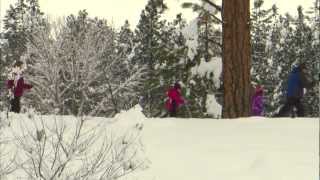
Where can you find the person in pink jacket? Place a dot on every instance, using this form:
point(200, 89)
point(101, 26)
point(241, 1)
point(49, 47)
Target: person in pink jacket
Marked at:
point(175, 99)
point(17, 86)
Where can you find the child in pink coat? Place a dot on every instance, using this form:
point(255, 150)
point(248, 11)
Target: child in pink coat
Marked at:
point(17, 87)
point(175, 99)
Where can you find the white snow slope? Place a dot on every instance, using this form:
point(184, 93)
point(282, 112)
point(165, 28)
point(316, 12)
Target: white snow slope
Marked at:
point(208, 149)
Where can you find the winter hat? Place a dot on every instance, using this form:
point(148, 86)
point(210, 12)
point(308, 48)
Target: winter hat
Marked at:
point(302, 66)
point(259, 89)
point(177, 85)
point(18, 67)
point(18, 64)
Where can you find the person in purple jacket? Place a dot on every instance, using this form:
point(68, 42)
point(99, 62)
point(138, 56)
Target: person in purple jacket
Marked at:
point(17, 87)
point(257, 102)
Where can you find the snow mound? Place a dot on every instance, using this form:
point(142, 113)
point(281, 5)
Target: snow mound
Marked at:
point(129, 121)
point(131, 116)
point(213, 107)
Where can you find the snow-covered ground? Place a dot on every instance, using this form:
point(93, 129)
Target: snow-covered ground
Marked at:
point(208, 149)
point(242, 149)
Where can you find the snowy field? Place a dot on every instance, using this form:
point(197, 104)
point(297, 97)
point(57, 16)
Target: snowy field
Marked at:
point(207, 149)
point(243, 149)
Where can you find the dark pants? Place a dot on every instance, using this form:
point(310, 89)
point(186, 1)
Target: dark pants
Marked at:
point(287, 109)
point(173, 111)
point(15, 104)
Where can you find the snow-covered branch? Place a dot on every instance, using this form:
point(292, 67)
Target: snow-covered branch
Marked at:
point(81, 72)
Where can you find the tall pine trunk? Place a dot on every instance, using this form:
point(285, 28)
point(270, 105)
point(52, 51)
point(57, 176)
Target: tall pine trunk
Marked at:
point(236, 58)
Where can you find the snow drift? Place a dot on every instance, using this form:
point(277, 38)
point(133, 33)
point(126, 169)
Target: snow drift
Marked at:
point(253, 148)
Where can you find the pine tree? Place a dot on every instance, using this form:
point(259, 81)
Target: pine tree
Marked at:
point(208, 52)
point(210, 34)
point(125, 39)
point(260, 25)
point(266, 34)
point(149, 51)
point(176, 66)
point(303, 44)
point(284, 59)
point(272, 94)
point(125, 49)
point(19, 23)
point(303, 38)
point(316, 30)
point(15, 31)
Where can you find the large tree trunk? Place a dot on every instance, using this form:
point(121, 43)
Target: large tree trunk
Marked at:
point(236, 58)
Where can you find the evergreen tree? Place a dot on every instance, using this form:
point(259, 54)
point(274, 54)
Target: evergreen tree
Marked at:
point(284, 59)
point(148, 51)
point(316, 31)
point(260, 25)
point(125, 40)
point(272, 92)
point(303, 44)
point(267, 66)
point(124, 49)
point(210, 34)
point(209, 51)
point(176, 66)
point(204, 85)
point(19, 24)
point(303, 38)
point(314, 13)
point(15, 30)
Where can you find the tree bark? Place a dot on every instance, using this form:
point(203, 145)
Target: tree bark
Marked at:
point(236, 58)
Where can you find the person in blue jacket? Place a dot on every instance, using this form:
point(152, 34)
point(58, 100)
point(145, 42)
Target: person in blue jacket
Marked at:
point(297, 81)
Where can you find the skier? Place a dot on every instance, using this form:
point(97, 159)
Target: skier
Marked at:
point(257, 102)
point(16, 86)
point(175, 100)
point(297, 81)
